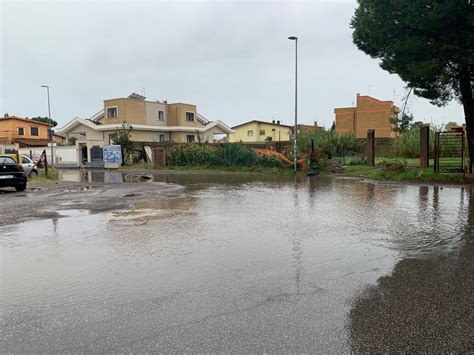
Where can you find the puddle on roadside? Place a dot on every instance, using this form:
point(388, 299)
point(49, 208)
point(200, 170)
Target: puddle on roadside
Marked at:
point(73, 213)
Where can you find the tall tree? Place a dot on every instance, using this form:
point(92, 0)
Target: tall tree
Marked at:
point(45, 120)
point(428, 43)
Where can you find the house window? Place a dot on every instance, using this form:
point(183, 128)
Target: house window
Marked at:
point(189, 116)
point(112, 138)
point(161, 116)
point(112, 112)
point(162, 138)
point(34, 131)
point(190, 138)
point(21, 131)
point(262, 132)
point(250, 133)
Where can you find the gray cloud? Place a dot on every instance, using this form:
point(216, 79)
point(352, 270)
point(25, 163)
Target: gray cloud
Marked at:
point(231, 59)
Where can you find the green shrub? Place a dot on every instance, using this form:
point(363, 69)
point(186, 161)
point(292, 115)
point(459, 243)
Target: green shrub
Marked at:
point(393, 165)
point(328, 141)
point(408, 145)
point(225, 155)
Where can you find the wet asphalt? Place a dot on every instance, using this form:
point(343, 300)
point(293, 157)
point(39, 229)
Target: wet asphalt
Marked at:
point(230, 263)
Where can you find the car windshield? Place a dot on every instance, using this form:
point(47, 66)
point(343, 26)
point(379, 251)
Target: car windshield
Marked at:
point(7, 161)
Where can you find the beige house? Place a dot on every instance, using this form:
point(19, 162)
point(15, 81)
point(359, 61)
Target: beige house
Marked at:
point(260, 131)
point(370, 113)
point(152, 121)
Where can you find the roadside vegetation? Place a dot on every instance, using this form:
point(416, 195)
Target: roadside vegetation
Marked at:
point(342, 153)
point(228, 157)
point(41, 177)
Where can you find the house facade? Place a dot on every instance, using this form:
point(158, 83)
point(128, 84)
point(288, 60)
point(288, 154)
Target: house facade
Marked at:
point(152, 122)
point(260, 131)
point(369, 113)
point(23, 131)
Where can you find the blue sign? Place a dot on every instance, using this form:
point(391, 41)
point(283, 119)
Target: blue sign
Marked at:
point(112, 154)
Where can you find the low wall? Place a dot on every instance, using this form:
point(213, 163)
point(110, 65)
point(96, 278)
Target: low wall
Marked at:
point(383, 147)
point(64, 156)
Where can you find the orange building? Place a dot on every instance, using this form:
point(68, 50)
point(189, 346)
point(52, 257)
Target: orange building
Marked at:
point(23, 131)
point(369, 113)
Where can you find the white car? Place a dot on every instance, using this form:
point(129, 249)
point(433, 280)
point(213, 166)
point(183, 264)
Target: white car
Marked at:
point(29, 166)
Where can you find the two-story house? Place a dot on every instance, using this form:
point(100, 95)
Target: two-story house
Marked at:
point(23, 131)
point(261, 131)
point(152, 121)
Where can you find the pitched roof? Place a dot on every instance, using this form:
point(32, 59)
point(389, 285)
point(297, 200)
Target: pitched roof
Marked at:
point(23, 119)
point(257, 121)
point(141, 127)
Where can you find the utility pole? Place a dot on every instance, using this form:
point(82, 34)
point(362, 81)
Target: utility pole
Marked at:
point(50, 125)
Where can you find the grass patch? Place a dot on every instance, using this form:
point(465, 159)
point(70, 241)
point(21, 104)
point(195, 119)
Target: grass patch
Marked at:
point(52, 175)
point(408, 174)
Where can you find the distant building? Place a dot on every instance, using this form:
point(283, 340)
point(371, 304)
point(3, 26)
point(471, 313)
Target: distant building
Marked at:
point(369, 113)
point(309, 128)
point(23, 131)
point(152, 122)
point(260, 131)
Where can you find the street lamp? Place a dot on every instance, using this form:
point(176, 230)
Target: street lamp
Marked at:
point(50, 124)
point(293, 38)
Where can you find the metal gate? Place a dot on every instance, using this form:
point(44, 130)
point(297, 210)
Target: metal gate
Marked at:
point(449, 152)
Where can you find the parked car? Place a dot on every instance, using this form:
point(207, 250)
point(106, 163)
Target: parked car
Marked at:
point(29, 166)
point(12, 174)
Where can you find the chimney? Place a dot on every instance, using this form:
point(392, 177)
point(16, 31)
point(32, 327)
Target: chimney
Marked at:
point(165, 101)
point(273, 121)
point(278, 122)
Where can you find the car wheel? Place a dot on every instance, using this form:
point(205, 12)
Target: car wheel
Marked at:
point(33, 174)
point(20, 188)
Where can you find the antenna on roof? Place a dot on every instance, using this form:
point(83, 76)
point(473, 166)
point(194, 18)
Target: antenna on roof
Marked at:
point(370, 85)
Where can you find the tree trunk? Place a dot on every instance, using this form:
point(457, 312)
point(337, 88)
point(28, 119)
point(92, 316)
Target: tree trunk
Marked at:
point(467, 72)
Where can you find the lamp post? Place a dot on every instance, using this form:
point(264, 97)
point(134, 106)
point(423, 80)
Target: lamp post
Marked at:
point(50, 125)
point(293, 38)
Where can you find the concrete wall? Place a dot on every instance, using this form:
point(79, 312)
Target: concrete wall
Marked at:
point(130, 110)
point(277, 132)
point(63, 155)
point(152, 109)
point(177, 115)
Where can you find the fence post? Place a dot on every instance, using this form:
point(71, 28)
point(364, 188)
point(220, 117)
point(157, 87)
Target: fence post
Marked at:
point(436, 153)
point(45, 162)
point(462, 152)
point(371, 147)
point(425, 146)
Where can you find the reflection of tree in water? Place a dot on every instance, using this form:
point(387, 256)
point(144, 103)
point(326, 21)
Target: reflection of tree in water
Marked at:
point(425, 305)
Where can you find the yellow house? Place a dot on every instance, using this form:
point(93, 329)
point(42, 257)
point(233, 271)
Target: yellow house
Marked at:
point(260, 131)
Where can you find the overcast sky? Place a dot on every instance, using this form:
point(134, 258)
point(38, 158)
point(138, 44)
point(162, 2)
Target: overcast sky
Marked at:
point(232, 59)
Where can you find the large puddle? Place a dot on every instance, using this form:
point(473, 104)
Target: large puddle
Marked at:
point(228, 264)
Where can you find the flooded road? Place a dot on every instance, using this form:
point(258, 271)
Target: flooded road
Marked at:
point(235, 263)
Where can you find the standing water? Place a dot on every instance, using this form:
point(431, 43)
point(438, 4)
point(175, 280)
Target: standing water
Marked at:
point(241, 264)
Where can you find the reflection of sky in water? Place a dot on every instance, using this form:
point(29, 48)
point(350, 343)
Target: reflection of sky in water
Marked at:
point(274, 257)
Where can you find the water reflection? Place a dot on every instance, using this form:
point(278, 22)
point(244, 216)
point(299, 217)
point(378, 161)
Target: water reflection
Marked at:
point(243, 263)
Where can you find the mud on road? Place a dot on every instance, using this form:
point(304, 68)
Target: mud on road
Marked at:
point(44, 200)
